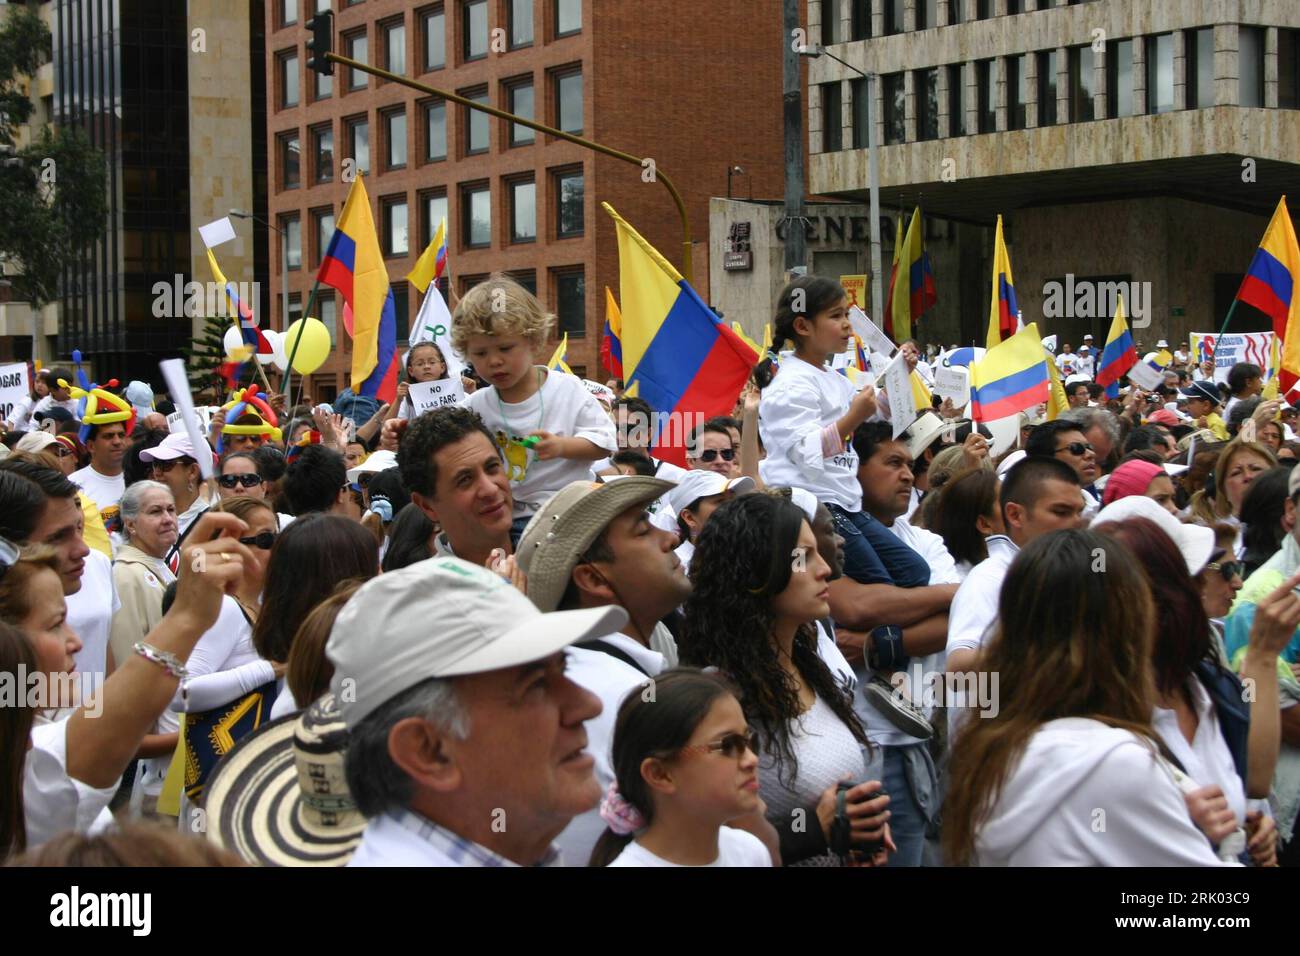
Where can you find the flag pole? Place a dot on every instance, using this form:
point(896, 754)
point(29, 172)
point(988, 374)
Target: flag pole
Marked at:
point(1228, 318)
point(288, 366)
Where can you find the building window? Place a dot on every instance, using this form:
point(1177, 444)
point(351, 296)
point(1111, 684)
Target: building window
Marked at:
point(1017, 92)
point(288, 12)
point(288, 80)
point(927, 14)
point(519, 99)
point(569, 205)
point(394, 46)
point(290, 161)
point(523, 211)
point(1160, 73)
point(1082, 74)
point(435, 130)
point(956, 100)
point(323, 231)
point(295, 310)
point(322, 148)
point(955, 12)
point(322, 86)
point(1119, 77)
point(1250, 52)
point(1047, 88)
point(402, 309)
point(395, 138)
point(860, 20)
point(927, 103)
point(358, 50)
point(359, 144)
point(1288, 69)
point(474, 32)
point(477, 127)
point(433, 28)
point(830, 22)
point(832, 124)
point(521, 23)
point(893, 17)
point(292, 238)
point(322, 6)
point(1014, 7)
point(858, 89)
point(327, 312)
point(476, 216)
point(568, 17)
point(396, 238)
point(1199, 57)
point(983, 9)
point(526, 278)
point(435, 211)
point(568, 102)
point(571, 302)
point(986, 96)
point(895, 104)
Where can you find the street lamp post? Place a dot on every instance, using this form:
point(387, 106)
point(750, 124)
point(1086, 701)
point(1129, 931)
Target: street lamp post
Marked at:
point(873, 178)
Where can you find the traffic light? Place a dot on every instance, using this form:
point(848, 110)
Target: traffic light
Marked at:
point(321, 42)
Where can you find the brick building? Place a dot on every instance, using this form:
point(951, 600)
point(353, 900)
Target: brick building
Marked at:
point(695, 87)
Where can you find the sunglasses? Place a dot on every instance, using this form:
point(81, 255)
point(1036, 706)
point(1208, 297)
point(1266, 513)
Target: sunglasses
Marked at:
point(61, 450)
point(248, 481)
point(166, 466)
point(262, 540)
point(732, 745)
point(1076, 448)
point(1229, 569)
point(728, 454)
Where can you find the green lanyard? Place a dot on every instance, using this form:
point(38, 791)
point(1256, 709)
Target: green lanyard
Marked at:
point(541, 415)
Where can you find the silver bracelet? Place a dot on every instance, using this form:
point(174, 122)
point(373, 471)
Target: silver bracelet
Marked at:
point(164, 659)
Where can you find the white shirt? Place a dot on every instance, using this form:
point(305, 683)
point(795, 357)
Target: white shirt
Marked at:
point(611, 680)
point(943, 570)
point(1067, 363)
point(22, 413)
point(104, 490)
point(1085, 794)
point(404, 838)
point(973, 613)
point(801, 401)
point(90, 613)
point(1084, 365)
point(685, 551)
point(1207, 759)
point(53, 802)
point(561, 406)
point(735, 848)
point(48, 402)
point(224, 665)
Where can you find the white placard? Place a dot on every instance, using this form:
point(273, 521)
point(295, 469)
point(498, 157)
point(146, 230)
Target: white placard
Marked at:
point(896, 380)
point(1229, 349)
point(426, 396)
point(14, 388)
point(173, 373)
point(1145, 377)
point(952, 383)
point(217, 232)
point(176, 424)
point(879, 363)
point(873, 337)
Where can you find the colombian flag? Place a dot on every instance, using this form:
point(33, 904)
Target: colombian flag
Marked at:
point(557, 362)
point(1269, 286)
point(891, 290)
point(1119, 355)
point(252, 335)
point(1011, 377)
point(913, 263)
point(1003, 310)
point(676, 353)
point(354, 265)
point(433, 261)
point(611, 343)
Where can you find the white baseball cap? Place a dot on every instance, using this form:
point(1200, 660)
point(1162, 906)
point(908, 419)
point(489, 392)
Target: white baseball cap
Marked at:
point(1195, 542)
point(1162, 344)
point(698, 483)
point(376, 461)
point(443, 617)
point(175, 445)
point(923, 432)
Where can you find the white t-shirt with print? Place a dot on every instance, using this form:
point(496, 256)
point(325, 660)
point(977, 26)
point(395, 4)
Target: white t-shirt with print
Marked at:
point(562, 406)
point(735, 848)
point(104, 490)
point(801, 401)
point(90, 613)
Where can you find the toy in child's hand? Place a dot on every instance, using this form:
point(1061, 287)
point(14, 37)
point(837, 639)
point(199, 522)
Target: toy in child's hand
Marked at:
point(530, 442)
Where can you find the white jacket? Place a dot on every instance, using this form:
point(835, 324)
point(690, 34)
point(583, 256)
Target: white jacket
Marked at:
point(1085, 794)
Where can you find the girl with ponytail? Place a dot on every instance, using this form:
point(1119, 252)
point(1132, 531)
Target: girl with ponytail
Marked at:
point(684, 767)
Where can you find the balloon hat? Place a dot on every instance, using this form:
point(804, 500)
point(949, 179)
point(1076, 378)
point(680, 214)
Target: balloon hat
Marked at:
point(246, 401)
point(98, 405)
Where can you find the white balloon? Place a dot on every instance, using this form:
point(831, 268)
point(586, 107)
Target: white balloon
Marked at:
point(233, 339)
point(272, 338)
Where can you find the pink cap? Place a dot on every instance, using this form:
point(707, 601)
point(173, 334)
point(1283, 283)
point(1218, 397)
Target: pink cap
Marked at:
point(1130, 478)
point(1163, 416)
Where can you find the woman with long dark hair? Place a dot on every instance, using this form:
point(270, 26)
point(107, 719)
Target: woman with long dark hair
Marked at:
point(759, 587)
point(1069, 770)
point(1262, 512)
point(966, 513)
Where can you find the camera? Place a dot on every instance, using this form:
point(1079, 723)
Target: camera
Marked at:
point(840, 842)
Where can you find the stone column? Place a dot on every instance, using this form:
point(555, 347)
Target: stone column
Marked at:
point(1031, 91)
point(1180, 69)
point(942, 84)
point(1227, 84)
point(1140, 74)
point(909, 99)
point(1270, 67)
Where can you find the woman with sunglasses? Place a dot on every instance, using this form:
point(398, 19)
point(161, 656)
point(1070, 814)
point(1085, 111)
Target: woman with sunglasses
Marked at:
point(760, 586)
point(1229, 747)
point(141, 576)
point(241, 475)
point(174, 463)
point(685, 766)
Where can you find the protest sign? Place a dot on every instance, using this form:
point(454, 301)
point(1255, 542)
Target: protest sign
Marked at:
point(953, 384)
point(426, 396)
point(873, 337)
point(855, 287)
point(897, 383)
point(1145, 377)
point(1227, 350)
point(14, 387)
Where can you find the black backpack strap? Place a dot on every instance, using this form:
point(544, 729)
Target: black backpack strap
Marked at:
point(607, 648)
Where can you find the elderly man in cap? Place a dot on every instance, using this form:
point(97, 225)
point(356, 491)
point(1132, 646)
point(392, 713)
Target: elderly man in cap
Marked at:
point(467, 745)
point(592, 545)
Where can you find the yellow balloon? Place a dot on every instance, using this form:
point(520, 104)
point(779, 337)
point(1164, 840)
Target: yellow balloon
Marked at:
point(313, 348)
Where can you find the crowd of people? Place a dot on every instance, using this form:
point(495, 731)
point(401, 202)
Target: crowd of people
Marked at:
point(507, 633)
